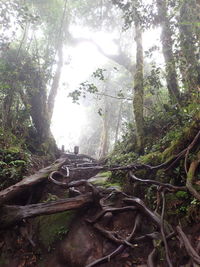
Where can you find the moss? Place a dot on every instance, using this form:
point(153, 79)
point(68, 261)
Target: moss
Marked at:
point(183, 139)
point(154, 157)
point(118, 158)
point(105, 174)
point(115, 185)
point(13, 150)
point(104, 182)
point(182, 195)
point(53, 227)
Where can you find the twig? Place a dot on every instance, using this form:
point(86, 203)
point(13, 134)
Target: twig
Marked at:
point(112, 236)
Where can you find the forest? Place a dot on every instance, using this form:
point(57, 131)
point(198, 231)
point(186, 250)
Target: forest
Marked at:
point(100, 133)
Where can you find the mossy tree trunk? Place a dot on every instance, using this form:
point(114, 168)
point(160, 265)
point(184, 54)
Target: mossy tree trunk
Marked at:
point(56, 81)
point(39, 112)
point(105, 131)
point(139, 90)
point(167, 44)
point(118, 122)
point(188, 42)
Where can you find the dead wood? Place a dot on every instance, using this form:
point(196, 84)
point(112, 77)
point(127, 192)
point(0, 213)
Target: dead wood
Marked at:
point(10, 215)
point(18, 188)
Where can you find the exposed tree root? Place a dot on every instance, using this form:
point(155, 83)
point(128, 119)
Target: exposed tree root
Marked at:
point(162, 230)
point(159, 234)
point(151, 258)
point(168, 186)
point(120, 248)
point(190, 177)
point(190, 250)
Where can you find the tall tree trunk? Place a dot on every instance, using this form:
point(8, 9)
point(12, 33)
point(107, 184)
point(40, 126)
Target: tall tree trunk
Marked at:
point(39, 115)
point(104, 134)
point(56, 80)
point(63, 31)
point(187, 28)
point(139, 90)
point(167, 44)
point(118, 122)
point(7, 117)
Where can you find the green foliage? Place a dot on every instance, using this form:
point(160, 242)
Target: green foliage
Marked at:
point(14, 14)
point(182, 194)
point(50, 198)
point(154, 158)
point(105, 174)
point(84, 88)
point(14, 160)
point(153, 80)
point(122, 159)
point(99, 74)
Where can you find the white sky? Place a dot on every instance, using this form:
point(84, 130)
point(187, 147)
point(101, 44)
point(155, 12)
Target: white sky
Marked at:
point(68, 118)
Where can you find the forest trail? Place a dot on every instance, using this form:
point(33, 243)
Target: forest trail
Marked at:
point(113, 227)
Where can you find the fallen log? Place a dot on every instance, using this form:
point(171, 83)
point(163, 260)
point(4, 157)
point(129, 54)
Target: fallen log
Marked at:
point(10, 215)
point(18, 188)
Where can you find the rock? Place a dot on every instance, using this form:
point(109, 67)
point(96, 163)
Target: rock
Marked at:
point(81, 246)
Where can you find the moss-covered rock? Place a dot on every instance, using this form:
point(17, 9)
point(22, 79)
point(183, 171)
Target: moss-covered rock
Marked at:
point(53, 227)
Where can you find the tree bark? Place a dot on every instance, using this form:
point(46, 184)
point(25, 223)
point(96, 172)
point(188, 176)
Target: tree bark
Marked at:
point(118, 122)
point(167, 44)
point(139, 90)
point(56, 80)
point(105, 130)
point(190, 70)
point(14, 214)
point(38, 110)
